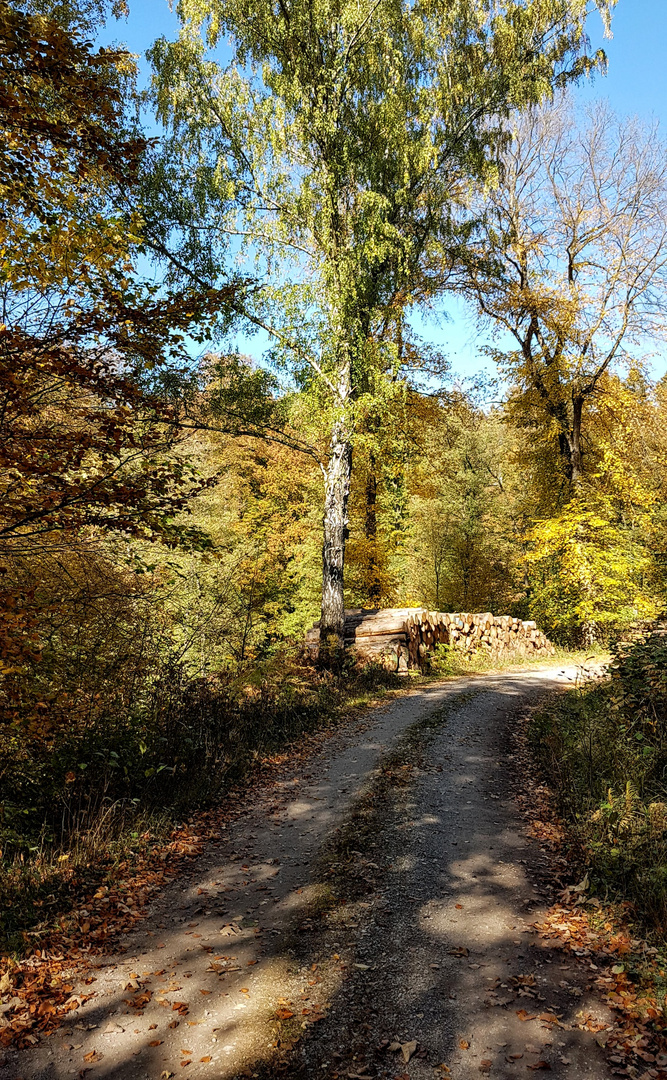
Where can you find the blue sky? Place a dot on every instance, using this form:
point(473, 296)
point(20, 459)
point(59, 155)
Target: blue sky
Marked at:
point(636, 83)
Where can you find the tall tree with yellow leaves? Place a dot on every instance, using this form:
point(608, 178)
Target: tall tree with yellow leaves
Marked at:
point(572, 271)
point(333, 149)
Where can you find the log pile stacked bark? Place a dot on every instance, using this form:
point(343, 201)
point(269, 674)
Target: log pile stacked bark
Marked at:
point(403, 637)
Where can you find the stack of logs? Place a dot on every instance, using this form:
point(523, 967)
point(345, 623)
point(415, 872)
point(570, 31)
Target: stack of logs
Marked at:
point(403, 637)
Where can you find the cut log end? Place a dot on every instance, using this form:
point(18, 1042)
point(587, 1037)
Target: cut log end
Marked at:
point(404, 637)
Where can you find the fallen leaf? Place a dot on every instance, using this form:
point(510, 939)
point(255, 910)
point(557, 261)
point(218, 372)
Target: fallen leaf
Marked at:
point(205, 1059)
point(156, 1042)
point(539, 1065)
point(92, 1057)
point(407, 1050)
point(523, 1015)
point(464, 1044)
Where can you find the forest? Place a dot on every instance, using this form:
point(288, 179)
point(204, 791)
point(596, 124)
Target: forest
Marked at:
point(314, 175)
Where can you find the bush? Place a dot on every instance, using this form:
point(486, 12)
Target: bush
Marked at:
point(604, 747)
point(97, 791)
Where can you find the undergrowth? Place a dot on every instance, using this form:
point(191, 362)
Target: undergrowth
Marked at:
point(603, 746)
point(80, 805)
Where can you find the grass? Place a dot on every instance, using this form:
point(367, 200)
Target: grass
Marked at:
point(344, 861)
point(603, 749)
point(449, 662)
point(51, 881)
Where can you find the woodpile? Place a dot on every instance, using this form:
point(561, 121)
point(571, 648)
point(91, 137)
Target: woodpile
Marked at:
point(403, 637)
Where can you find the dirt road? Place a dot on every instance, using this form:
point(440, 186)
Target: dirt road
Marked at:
point(368, 916)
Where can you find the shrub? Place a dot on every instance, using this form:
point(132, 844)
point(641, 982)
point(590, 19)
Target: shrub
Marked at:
point(604, 747)
point(95, 792)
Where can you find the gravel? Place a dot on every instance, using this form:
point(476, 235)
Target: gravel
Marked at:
point(434, 946)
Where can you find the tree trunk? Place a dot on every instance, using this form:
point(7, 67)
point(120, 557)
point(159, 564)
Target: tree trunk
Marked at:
point(570, 443)
point(337, 490)
point(576, 454)
point(371, 532)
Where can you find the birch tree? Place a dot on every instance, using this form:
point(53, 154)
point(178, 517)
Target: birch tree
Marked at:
point(329, 153)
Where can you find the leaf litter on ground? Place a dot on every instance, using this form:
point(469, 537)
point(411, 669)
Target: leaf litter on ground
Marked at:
point(627, 971)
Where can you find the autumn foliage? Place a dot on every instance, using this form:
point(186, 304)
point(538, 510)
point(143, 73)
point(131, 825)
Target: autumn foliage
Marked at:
point(90, 458)
point(163, 495)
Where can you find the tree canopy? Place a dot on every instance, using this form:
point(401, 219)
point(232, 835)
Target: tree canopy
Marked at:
point(573, 263)
point(333, 150)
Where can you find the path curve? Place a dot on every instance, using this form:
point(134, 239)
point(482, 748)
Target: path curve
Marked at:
point(245, 955)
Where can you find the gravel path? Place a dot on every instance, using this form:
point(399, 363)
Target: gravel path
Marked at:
point(253, 962)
